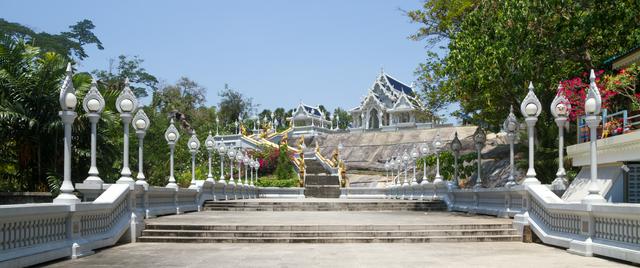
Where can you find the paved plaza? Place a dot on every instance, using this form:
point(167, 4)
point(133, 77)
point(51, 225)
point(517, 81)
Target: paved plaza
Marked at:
point(465, 254)
point(486, 254)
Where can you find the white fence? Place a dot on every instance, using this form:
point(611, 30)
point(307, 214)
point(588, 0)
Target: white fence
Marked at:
point(36, 233)
point(608, 229)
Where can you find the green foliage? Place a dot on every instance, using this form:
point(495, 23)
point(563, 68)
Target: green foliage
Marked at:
point(284, 168)
point(345, 118)
point(496, 47)
point(232, 106)
point(67, 44)
point(446, 164)
point(273, 182)
point(140, 80)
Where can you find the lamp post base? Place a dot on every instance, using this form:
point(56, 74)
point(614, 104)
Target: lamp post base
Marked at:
point(172, 185)
point(559, 183)
point(531, 180)
point(93, 180)
point(125, 180)
point(593, 199)
point(66, 198)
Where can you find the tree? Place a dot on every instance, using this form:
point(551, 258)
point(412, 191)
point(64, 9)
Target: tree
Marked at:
point(68, 44)
point(345, 118)
point(140, 80)
point(496, 47)
point(327, 114)
point(233, 105)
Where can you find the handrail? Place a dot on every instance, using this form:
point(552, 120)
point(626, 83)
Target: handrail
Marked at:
point(627, 123)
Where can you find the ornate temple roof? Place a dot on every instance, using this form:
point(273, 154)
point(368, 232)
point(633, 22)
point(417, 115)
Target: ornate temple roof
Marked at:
point(399, 86)
point(386, 93)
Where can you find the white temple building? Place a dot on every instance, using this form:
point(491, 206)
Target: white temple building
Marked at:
point(389, 105)
point(309, 120)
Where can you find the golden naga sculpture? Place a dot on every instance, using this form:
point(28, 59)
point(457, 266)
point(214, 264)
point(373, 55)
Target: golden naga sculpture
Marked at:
point(299, 142)
point(243, 130)
point(344, 182)
point(334, 158)
point(285, 139)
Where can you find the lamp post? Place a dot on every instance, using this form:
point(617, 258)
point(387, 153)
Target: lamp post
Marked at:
point(68, 102)
point(246, 162)
point(273, 121)
point(239, 158)
point(126, 103)
point(172, 136)
point(456, 146)
point(217, 124)
point(414, 161)
point(141, 125)
point(386, 170)
point(479, 138)
point(560, 108)
point(592, 108)
point(222, 150)
point(253, 169)
point(194, 145)
point(362, 120)
point(437, 145)
point(237, 128)
point(210, 143)
point(510, 125)
point(399, 166)
point(424, 150)
point(405, 183)
point(530, 108)
point(231, 153)
point(93, 105)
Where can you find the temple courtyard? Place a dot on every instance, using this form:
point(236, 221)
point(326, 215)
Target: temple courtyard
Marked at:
point(330, 233)
point(320, 224)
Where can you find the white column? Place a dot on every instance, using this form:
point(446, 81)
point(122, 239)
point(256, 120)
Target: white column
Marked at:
point(66, 195)
point(594, 195)
point(560, 183)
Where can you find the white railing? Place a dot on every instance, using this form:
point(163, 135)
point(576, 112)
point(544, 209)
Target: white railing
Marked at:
point(607, 229)
point(36, 233)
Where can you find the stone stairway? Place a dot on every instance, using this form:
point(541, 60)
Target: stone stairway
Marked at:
point(319, 205)
point(326, 221)
point(328, 233)
point(318, 183)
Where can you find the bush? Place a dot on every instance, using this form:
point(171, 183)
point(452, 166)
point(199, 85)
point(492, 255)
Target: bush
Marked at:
point(266, 182)
point(284, 169)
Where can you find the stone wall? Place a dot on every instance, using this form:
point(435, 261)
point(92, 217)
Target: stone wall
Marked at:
point(365, 153)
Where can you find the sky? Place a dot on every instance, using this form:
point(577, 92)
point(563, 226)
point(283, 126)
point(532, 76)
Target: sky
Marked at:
point(277, 52)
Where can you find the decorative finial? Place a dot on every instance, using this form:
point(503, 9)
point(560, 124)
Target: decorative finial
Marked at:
point(69, 69)
point(530, 106)
point(93, 101)
point(592, 76)
point(126, 81)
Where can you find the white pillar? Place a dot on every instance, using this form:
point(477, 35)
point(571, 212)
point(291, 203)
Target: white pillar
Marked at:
point(93, 104)
point(68, 102)
point(594, 195)
point(560, 183)
point(66, 190)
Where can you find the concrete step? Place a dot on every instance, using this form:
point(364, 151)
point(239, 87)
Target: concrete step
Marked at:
point(434, 239)
point(427, 233)
point(326, 206)
point(333, 228)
